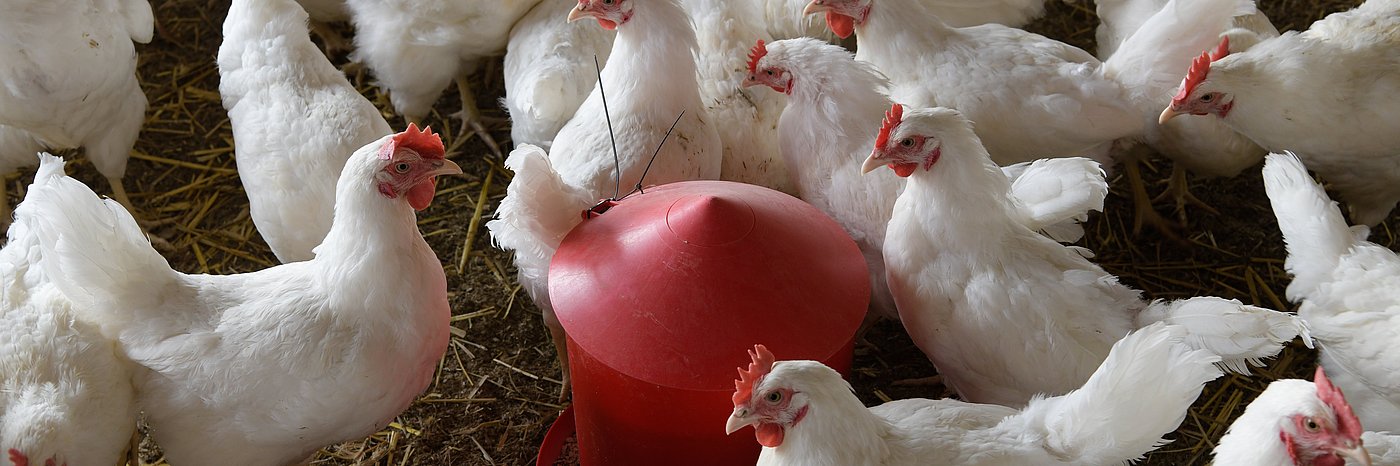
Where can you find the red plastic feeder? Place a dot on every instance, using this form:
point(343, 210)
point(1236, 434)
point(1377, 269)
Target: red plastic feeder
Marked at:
point(662, 296)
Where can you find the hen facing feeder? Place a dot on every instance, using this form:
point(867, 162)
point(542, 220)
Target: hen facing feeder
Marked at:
point(662, 295)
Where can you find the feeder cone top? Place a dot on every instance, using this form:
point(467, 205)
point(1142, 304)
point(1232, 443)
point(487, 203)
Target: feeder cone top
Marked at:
point(663, 284)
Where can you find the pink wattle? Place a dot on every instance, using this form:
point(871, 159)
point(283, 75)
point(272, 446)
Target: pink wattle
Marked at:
point(769, 435)
point(609, 25)
point(904, 169)
point(421, 194)
point(841, 25)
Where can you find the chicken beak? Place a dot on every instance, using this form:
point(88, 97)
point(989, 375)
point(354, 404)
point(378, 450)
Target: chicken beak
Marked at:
point(872, 162)
point(738, 420)
point(448, 167)
point(749, 81)
point(1167, 114)
point(816, 6)
point(579, 13)
point(1357, 453)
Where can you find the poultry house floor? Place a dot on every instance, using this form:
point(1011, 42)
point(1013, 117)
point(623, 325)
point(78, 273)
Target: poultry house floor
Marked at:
point(496, 390)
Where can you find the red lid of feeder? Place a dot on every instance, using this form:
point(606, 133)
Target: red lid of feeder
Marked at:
point(672, 286)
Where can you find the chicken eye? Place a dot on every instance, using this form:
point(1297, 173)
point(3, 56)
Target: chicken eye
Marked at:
point(607, 2)
point(1311, 425)
point(402, 167)
point(1207, 97)
point(907, 142)
point(774, 396)
point(768, 71)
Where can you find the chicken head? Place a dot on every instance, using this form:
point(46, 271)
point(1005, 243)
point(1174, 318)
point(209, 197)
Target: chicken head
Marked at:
point(771, 408)
point(775, 77)
point(842, 16)
point(412, 161)
point(905, 153)
point(609, 13)
point(1196, 96)
point(1322, 435)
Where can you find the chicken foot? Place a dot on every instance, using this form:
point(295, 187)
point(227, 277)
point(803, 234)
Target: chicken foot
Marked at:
point(471, 117)
point(1178, 189)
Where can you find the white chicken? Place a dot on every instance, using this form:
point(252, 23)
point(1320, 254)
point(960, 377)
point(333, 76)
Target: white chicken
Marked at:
point(747, 122)
point(549, 71)
point(68, 80)
point(829, 124)
point(295, 120)
point(549, 191)
point(1005, 313)
point(1172, 33)
point(1300, 423)
point(264, 368)
point(1348, 289)
point(1328, 94)
point(416, 48)
point(1032, 97)
point(804, 414)
point(65, 390)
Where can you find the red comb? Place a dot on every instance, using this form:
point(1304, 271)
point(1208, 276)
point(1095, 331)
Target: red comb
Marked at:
point(759, 51)
point(761, 365)
point(1221, 50)
point(425, 142)
point(1347, 423)
point(892, 119)
point(1194, 76)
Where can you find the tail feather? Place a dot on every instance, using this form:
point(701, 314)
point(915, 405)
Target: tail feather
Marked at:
point(538, 210)
point(94, 250)
point(1141, 392)
point(1240, 334)
point(1313, 228)
point(1057, 194)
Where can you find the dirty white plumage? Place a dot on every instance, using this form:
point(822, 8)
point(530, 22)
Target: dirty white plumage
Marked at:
point(65, 389)
point(549, 71)
point(295, 118)
point(68, 80)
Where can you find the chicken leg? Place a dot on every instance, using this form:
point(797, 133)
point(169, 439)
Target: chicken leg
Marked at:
point(1142, 205)
point(561, 351)
point(1178, 189)
point(334, 43)
point(471, 117)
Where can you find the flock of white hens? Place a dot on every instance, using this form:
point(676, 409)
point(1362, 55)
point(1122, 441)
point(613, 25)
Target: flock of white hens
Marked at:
point(966, 236)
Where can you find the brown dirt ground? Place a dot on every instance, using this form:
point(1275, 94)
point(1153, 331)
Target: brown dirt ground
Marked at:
point(495, 394)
